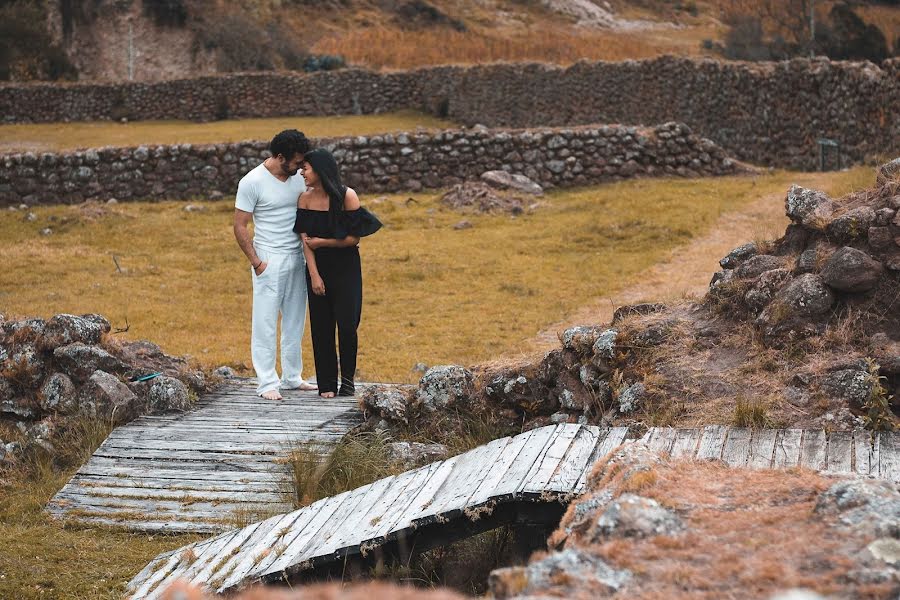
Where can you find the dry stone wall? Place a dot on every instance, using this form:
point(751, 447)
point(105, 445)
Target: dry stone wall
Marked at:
point(765, 113)
point(381, 163)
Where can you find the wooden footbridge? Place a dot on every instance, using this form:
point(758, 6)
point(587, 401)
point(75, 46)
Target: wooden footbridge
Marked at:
point(207, 470)
point(492, 484)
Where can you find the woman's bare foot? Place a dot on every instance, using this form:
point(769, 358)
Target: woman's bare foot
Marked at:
point(271, 395)
point(327, 394)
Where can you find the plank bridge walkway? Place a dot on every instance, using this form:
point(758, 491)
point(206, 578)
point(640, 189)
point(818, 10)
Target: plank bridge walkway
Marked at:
point(206, 470)
point(545, 466)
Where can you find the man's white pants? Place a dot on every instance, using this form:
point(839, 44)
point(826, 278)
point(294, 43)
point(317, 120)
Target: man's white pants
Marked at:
point(280, 288)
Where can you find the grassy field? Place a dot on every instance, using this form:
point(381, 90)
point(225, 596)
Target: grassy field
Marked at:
point(432, 294)
point(49, 137)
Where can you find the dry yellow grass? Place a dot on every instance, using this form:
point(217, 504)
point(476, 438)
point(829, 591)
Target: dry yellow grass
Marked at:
point(431, 293)
point(386, 47)
point(69, 136)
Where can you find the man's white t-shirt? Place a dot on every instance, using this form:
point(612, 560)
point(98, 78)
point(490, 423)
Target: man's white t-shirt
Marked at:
point(274, 206)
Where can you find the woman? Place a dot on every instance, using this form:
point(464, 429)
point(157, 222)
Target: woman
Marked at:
point(330, 222)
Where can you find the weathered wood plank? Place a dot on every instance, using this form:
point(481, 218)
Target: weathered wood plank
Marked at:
point(787, 448)
point(575, 461)
point(661, 440)
point(889, 456)
point(607, 441)
point(813, 449)
point(686, 442)
point(863, 451)
point(712, 442)
point(530, 454)
point(839, 458)
point(736, 449)
point(547, 465)
point(762, 448)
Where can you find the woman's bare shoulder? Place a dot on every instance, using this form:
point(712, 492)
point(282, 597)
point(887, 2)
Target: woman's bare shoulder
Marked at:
point(351, 200)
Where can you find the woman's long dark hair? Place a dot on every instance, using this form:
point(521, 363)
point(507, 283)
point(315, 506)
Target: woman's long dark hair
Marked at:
point(323, 163)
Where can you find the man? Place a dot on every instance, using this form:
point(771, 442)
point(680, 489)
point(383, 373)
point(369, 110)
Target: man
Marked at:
point(268, 195)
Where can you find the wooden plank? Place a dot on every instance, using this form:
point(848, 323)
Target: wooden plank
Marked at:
point(661, 440)
point(138, 580)
point(152, 505)
point(736, 448)
point(863, 451)
point(711, 442)
point(154, 581)
point(389, 523)
point(249, 464)
point(812, 449)
point(762, 448)
point(532, 453)
point(247, 553)
point(607, 441)
point(168, 494)
point(507, 456)
point(686, 442)
point(418, 507)
point(469, 470)
point(839, 458)
point(550, 462)
point(575, 461)
point(889, 456)
point(183, 483)
point(787, 448)
point(195, 556)
point(204, 573)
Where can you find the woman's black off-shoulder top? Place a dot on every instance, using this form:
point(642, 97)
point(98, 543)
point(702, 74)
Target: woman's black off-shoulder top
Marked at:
point(315, 223)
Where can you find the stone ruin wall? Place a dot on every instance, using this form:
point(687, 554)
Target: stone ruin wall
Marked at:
point(381, 163)
point(764, 113)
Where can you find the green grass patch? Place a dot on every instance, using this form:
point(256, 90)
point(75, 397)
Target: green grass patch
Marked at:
point(52, 137)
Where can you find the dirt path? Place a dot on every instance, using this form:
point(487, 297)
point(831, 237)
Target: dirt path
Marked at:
point(686, 271)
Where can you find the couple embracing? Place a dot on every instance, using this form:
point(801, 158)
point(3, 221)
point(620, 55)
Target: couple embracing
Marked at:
point(307, 227)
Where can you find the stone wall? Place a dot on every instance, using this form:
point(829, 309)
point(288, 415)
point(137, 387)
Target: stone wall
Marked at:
point(766, 113)
point(381, 163)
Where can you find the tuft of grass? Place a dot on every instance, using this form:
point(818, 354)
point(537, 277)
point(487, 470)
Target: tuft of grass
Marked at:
point(52, 137)
point(878, 414)
point(751, 413)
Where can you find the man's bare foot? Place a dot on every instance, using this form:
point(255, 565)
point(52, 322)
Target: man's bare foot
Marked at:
point(271, 395)
point(327, 394)
point(307, 387)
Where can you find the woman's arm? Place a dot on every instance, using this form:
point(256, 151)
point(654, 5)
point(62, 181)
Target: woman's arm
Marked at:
point(318, 285)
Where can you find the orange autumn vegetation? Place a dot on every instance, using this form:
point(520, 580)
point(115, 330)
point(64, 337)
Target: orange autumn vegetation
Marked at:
point(332, 591)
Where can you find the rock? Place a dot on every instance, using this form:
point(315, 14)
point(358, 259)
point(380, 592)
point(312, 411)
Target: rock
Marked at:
point(757, 265)
point(630, 516)
point(580, 339)
point(798, 595)
point(885, 549)
point(419, 367)
point(560, 417)
point(889, 171)
point(224, 371)
point(80, 361)
point(168, 394)
point(194, 208)
point(738, 255)
point(40, 431)
point(556, 572)
point(515, 389)
point(463, 225)
point(144, 356)
point(19, 407)
point(413, 454)
point(852, 224)
point(636, 309)
point(26, 367)
point(653, 335)
point(807, 262)
point(631, 397)
point(851, 270)
point(872, 506)
point(2, 452)
point(27, 330)
point(478, 197)
point(590, 377)
point(884, 216)
point(880, 238)
point(103, 396)
point(511, 181)
point(64, 329)
point(12, 450)
point(765, 287)
point(854, 386)
point(810, 208)
point(805, 296)
point(605, 350)
point(389, 403)
point(444, 387)
point(58, 395)
point(98, 320)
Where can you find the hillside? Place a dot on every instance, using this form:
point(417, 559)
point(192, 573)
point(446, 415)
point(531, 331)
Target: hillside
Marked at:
point(156, 39)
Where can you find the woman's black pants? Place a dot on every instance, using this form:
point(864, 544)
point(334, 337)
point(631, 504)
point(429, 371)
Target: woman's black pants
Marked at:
point(341, 306)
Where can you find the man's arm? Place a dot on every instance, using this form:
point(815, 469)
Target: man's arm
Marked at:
point(242, 235)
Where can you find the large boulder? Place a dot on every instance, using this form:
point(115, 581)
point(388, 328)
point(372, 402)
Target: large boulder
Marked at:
point(443, 387)
point(79, 361)
point(58, 394)
point(851, 270)
point(759, 264)
point(810, 208)
point(805, 296)
point(765, 287)
point(511, 181)
point(852, 224)
point(65, 329)
point(853, 385)
point(630, 515)
point(168, 394)
point(556, 573)
point(103, 396)
point(389, 403)
point(738, 255)
point(872, 506)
